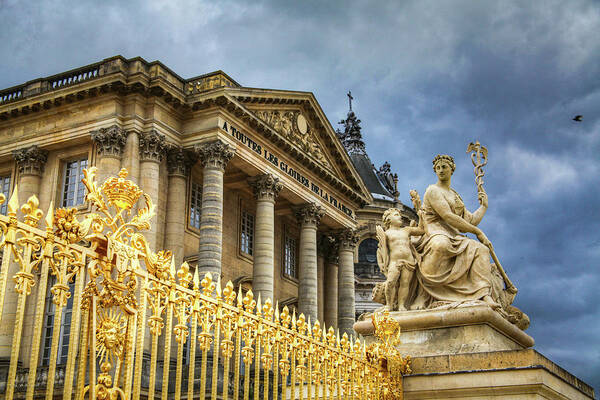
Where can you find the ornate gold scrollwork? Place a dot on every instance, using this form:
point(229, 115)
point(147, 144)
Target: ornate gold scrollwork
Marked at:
point(105, 256)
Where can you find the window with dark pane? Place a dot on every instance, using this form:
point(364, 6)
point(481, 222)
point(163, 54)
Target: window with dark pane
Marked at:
point(247, 233)
point(73, 189)
point(290, 266)
point(65, 326)
point(5, 188)
point(196, 205)
point(367, 251)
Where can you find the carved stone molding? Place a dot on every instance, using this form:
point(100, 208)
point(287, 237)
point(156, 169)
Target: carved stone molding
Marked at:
point(347, 239)
point(214, 155)
point(31, 160)
point(293, 126)
point(152, 146)
point(179, 161)
point(110, 141)
point(265, 187)
point(309, 214)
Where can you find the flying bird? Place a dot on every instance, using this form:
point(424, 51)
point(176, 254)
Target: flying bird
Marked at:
point(578, 118)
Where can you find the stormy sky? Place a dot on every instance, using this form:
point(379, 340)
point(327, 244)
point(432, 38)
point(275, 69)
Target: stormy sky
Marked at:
point(428, 77)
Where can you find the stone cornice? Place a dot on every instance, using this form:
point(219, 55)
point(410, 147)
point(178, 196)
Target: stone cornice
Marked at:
point(309, 214)
point(152, 146)
point(123, 77)
point(214, 154)
point(265, 187)
point(115, 74)
point(110, 141)
point(31, 160)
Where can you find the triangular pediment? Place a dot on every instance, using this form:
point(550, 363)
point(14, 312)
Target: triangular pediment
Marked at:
point(299, 120)
point(295, 127)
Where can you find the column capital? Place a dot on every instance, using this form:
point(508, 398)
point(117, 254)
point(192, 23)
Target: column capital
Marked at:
point(110, 141)
point(309, 214)
point(152, 146)
point(347, 239)
point(214, 155)
point(31, 160)
point(179, 161)
point(265, 187)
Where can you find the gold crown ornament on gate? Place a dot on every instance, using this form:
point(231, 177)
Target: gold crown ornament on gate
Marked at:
point(121, 192)
point(116, 193)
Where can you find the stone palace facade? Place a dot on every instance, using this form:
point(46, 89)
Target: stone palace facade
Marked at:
point(253, 185)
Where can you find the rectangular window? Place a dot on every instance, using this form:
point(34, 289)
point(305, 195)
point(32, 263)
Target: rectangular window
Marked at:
point(247, 233)
point(65, 326)
point(196, 205)
point(290, 263)
point(73, 192)
point(5, 190)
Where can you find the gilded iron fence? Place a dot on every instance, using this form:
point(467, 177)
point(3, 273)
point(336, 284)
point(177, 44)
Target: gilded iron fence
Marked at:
point(135, 314)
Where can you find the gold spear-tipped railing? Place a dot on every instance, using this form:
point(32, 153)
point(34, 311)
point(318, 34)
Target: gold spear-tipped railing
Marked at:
point(130, 304)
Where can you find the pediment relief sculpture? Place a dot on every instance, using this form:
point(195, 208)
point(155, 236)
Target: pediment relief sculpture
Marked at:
point(294, 127)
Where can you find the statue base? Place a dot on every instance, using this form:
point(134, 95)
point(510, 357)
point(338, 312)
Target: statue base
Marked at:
point(471, 352)
point(440, 331)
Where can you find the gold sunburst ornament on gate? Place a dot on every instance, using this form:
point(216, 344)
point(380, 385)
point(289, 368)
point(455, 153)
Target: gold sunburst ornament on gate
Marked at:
point(110, 336)
point(122, 286)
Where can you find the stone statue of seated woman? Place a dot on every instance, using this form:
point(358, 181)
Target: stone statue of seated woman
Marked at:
point(453, 269)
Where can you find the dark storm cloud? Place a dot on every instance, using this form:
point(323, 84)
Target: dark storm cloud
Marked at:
point(427, 76)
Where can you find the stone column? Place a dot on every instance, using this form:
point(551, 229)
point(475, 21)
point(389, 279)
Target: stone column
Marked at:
point(321, 250)
point(178, 164)
point(152, 150)
point(308, 217)
point(266, 189)
point(30, 165)
point(346, 298)
point(110, 143)
point(331, 282)
point(131, 156)
point(214, 157)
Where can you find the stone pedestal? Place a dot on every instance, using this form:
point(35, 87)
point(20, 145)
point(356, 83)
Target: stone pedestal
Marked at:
point(465, 330)
point(471, 352)
point(517, 374)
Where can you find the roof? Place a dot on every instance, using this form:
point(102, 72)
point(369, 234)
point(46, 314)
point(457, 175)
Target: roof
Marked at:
point(366, 170)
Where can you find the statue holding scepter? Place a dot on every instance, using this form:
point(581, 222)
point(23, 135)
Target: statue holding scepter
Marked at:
point(450, 268)
point(479, 159)
point(453, 268)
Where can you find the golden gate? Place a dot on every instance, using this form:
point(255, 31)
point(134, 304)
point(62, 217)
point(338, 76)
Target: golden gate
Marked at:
point(128, 300)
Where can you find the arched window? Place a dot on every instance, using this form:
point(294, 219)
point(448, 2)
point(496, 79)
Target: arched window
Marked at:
point(367, 251)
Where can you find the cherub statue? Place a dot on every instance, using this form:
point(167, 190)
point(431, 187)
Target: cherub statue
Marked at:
point(396, 257)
